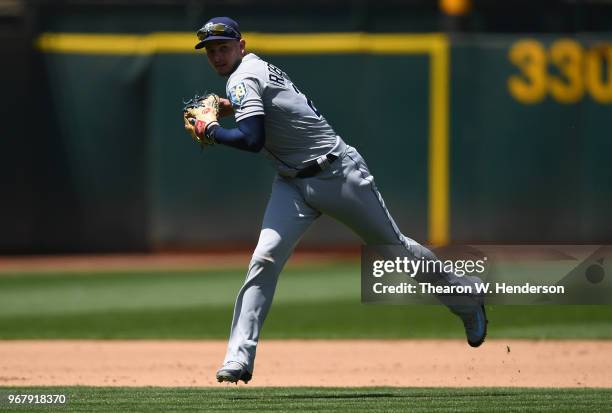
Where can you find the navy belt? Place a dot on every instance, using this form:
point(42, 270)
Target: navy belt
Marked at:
point(314, 167)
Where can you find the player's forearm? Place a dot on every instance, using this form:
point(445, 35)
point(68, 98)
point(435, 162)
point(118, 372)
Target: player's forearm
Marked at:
point(248, 136)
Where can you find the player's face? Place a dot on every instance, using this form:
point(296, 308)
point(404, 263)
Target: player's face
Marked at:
point(223, 55)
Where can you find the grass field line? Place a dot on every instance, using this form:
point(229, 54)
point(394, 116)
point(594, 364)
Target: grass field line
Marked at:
point(319, 363)
point(319, 399)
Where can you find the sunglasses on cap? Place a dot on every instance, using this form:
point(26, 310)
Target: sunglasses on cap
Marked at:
point(217, 29)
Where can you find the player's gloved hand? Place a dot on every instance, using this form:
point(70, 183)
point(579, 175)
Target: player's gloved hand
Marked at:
point(199, 114)
point(225, 107)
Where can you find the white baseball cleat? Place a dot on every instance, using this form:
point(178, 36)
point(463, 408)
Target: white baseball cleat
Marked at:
point(232, 371)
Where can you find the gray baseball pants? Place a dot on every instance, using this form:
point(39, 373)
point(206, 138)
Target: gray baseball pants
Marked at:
point(346, 192)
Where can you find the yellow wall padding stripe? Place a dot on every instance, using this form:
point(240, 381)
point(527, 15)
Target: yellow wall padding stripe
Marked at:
point(435, 45)
point(439, 146)
point(316, 43)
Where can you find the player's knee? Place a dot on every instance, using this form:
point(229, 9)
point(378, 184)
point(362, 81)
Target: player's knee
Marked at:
point(264, 256)
point(261, 259)
point(270, 248)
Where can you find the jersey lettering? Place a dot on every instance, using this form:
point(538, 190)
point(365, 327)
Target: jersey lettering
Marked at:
point(275, 75)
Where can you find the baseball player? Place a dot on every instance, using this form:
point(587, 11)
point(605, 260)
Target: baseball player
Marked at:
point(317, 173)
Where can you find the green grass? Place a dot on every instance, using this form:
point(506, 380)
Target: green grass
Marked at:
point(311, 302)
point(239, 399)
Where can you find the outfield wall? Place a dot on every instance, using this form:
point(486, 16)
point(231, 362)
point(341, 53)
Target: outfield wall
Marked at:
point(531, 139)
point(524, 122)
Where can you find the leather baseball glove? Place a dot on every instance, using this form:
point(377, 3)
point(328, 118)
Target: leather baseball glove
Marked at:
point(199, 114)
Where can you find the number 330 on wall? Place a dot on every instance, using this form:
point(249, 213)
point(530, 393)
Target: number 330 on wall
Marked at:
point(566, 71)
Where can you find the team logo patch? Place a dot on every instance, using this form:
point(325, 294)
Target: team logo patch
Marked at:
point(237, 94)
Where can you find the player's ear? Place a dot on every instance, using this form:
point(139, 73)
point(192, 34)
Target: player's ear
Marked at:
point(242, 45)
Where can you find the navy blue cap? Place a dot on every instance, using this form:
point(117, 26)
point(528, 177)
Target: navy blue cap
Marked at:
point(218, 28)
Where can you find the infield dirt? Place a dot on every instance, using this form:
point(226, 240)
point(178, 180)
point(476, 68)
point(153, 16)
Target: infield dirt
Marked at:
point(343, 363)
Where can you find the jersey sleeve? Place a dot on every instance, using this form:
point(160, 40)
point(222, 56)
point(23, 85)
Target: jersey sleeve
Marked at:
point(246, 95)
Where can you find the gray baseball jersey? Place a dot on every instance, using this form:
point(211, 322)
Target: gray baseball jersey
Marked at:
point(295, 131)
